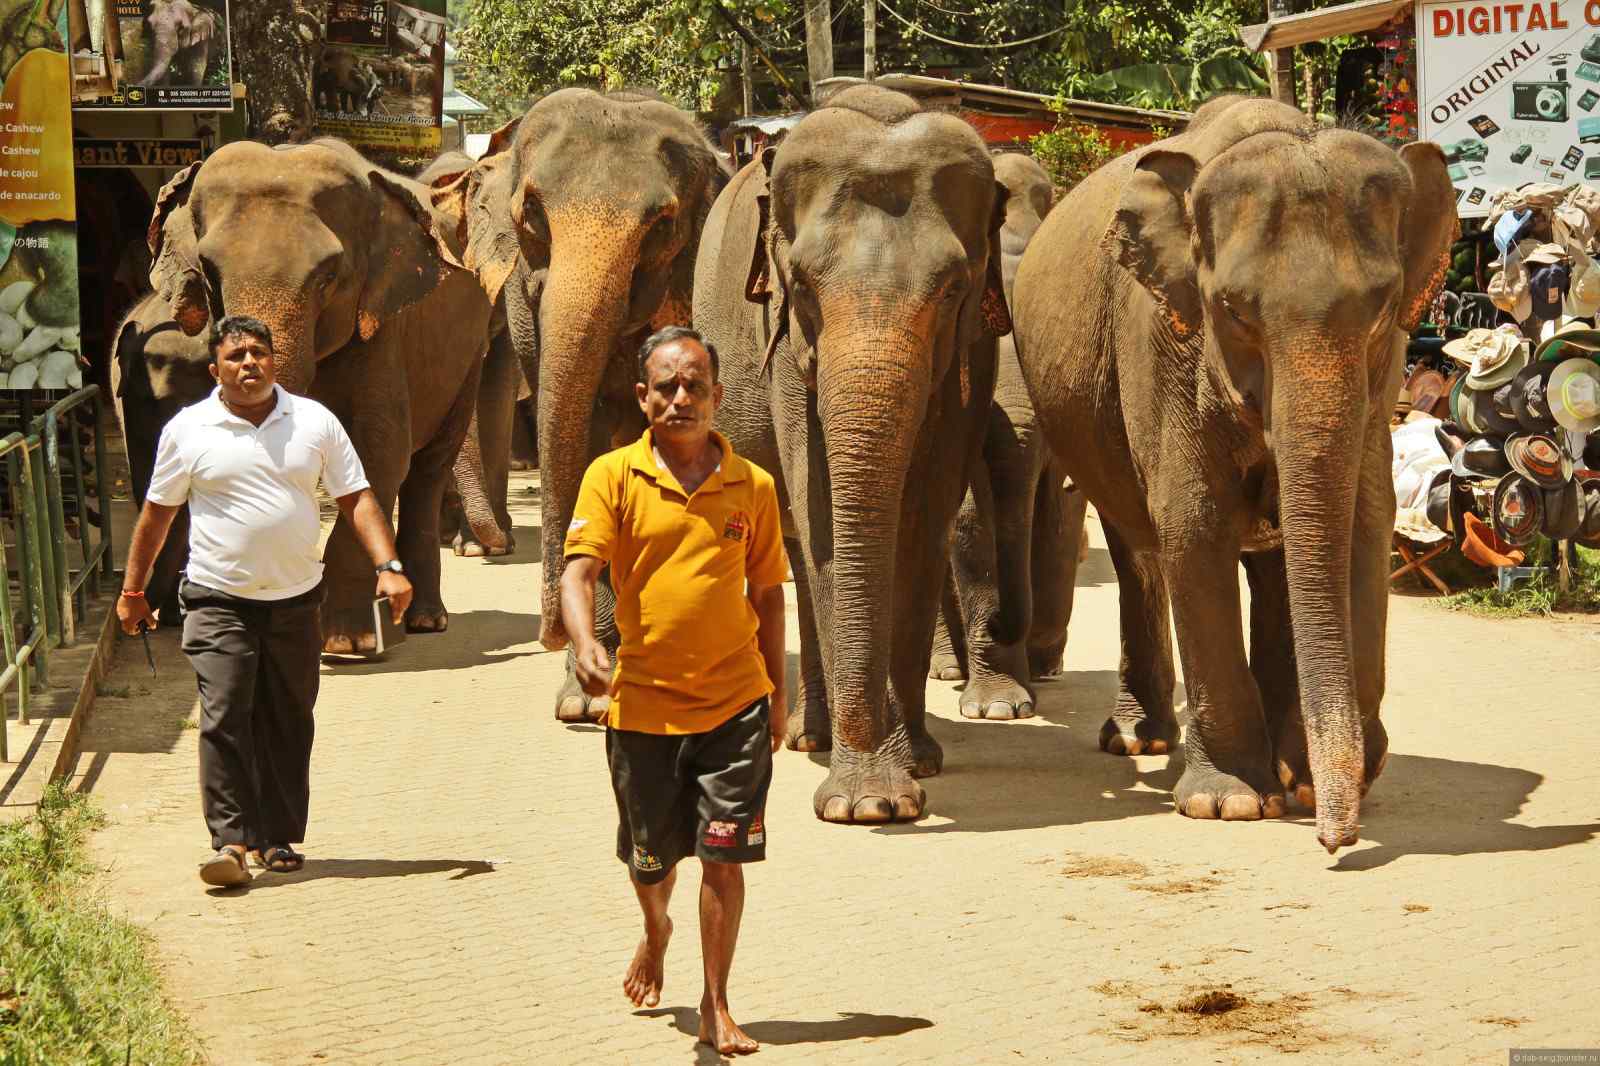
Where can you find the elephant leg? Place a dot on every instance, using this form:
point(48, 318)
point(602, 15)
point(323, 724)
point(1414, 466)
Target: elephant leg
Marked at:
point(808, 728)
point(417, 538)
point(949, 659)
point(162, 588)
point(990, 559)
point(1058, 516)
point(917, 594)
point(1227, 750)
point(482, 467)
point(1272, 660)
point(194, 62)
point(1142, 722)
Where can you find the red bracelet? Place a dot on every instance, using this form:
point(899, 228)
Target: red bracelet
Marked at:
point(133, 595)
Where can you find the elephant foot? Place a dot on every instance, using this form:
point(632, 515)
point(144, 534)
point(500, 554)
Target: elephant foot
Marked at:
point(1206, 792)
point(1132, 730)
point(348, 632)
point(521, 464)
point(427, 620)
point(1294, 766)
point(1046, 662)
point(808, 728)
point(927, 757)
point(471, 548)
point(574, 705)
point(996, 696)
point(868, 789)
point(944, 666)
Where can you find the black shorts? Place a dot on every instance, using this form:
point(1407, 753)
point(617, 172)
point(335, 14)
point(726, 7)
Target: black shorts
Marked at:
point(699, 794)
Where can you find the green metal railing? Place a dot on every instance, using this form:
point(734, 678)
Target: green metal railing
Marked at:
point(54, 597)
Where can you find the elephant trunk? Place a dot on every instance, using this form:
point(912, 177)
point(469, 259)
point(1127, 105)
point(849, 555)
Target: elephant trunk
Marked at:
point(1319, 409)
point(293, 322)
point(475, 501)
point(166, 50)
point(580, 310)
point(872, 395)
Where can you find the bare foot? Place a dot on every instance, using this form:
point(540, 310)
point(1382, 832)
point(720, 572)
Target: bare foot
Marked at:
point(645, 974)
point(718, 1029)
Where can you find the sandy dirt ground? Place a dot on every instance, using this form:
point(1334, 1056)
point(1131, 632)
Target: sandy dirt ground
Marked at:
point(462, 902)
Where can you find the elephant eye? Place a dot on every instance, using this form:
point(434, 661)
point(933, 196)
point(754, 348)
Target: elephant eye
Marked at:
point(1234, 311)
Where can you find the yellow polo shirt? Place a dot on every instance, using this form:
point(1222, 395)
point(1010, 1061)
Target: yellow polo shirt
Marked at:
point(689, 659)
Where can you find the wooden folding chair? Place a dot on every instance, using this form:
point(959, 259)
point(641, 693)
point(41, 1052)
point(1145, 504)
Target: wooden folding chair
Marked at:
point(1415, 559)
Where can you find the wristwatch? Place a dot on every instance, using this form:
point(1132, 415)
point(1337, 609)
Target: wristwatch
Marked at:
point(392, 566)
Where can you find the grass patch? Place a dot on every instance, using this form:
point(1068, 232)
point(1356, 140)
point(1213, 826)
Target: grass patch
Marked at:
point(77, 985)
point(1538, 596)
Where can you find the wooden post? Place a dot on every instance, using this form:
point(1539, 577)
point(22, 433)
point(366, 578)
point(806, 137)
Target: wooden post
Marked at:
point(1281, 64)
point(819, 43)
point(747, 90)
point(869, 42)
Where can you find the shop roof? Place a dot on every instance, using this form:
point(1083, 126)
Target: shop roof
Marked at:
point(997, 98)
point(1290, 30)
point(457, 102)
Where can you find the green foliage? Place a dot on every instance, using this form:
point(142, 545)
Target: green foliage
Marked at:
point(76, 982)
point(1538, 596)
point(513, 51)
point(1071, 152)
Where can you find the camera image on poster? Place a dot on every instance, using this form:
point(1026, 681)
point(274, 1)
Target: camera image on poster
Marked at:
point(1510, 93)
point(151, 55)
point(380, 81)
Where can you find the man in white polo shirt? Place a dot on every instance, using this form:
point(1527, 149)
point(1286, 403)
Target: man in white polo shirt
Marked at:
point(247, 460)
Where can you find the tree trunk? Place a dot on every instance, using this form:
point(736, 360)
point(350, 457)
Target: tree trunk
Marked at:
point(819, 43)
point(276, 44)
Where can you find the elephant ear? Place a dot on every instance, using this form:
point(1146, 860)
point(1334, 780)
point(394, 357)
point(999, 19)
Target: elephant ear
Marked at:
point(174, 253)
point(1428, 228)
point(996, 314)
point(478, 203)
point(133, 373)
point(759, 287)
point(410, 253)
point(1151, 235)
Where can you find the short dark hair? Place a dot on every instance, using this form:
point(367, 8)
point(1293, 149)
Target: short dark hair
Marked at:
point(667, 335)
point(237, 325)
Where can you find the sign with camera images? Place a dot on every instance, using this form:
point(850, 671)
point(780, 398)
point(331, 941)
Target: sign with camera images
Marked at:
point(1511, 92)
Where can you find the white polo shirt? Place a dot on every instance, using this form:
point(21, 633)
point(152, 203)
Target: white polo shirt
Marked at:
point(253, 523)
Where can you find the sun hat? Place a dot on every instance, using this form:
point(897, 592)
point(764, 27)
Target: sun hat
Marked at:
point(1546, 253)
point(1480, 544)
point(1495, 359)
point(1518, 510)
point(1528, 401)
point(1426, 387)
point(1589, 528)
point(1563, 512)
point(1568, 338)
point(1457, 408)
point(1491, 409)
point(1540, 459)
point(1483, 458)
point(1573, 395)
point(1436, 505)
point(1462, 349)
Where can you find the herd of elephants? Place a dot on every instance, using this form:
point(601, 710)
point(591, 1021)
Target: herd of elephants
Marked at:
point(939, 363)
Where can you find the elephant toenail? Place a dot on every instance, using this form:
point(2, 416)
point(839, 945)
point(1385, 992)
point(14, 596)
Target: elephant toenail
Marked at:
point(1241, 809)
point(872, 809)
point(1200, 806)
point(1273, 806)
point(837, 809)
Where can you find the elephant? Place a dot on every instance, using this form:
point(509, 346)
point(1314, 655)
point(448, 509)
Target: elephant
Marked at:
point(587, 212)
point(182, 35)
point(1212, 330)
point(850, 279)
point(347, 83)
point(372, 314)
point(157, 370)
point(1008, 596)
point(475, 520)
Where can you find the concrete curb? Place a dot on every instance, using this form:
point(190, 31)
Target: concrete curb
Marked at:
point(104, 648)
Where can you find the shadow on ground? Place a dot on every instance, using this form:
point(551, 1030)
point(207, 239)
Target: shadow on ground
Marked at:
point(473, 639)
point(1427, 806)
point(362, 869)
point(850, 1025)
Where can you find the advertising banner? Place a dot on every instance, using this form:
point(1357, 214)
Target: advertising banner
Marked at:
point(165, 55)
point(380, 84)
point(1511, 92)
point(38, 208)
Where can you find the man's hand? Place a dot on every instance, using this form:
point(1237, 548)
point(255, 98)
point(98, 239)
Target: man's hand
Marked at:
point(398, 589)
point(132, 611)
point(594, 669)
point(778, 719)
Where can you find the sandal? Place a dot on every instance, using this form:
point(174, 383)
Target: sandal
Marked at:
point(279, 858)
point(225, 869)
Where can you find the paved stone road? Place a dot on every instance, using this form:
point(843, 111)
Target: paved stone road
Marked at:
point(462, 905)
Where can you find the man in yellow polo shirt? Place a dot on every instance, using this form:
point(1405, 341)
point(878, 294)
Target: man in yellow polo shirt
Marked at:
point(691, 533)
